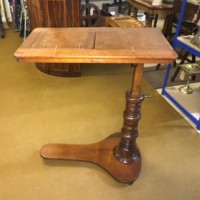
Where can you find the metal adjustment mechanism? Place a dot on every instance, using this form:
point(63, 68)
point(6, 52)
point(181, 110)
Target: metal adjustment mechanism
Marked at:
point(147, 96)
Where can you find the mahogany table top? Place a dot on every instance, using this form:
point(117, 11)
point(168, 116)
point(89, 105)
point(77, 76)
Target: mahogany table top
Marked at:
point(96, 45)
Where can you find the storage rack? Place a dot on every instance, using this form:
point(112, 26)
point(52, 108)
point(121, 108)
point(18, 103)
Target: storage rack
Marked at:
point(192, 50)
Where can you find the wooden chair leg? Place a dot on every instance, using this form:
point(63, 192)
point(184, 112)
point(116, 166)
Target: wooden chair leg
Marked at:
point(175, 74)
point(158, 66)
point(178, 68)
point(155, 20)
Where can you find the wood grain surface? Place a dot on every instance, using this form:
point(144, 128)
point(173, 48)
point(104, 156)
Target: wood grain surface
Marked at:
point(96, 45)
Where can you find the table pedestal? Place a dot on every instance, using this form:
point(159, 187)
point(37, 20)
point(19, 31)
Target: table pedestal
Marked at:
point(117, 154)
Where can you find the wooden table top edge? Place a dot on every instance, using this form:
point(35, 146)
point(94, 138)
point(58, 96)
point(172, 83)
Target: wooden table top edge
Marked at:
point(163, 6)
point(27, 53)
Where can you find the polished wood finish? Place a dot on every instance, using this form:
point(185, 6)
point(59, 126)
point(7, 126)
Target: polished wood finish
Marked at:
point(55, 13)
point(152, 11)
point(118, 154)
point(61, 13)
point(100, 153)
point(126, 151)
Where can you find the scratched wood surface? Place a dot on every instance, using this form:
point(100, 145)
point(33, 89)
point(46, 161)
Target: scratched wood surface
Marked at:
point(96, 45)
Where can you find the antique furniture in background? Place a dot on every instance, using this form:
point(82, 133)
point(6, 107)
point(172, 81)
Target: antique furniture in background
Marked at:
point(190, 17)
point(152, 12)
point(185, 43)
point(125, 21)
point(188, 27)
point(55, 13)
point(118, 154)
point(91, 16)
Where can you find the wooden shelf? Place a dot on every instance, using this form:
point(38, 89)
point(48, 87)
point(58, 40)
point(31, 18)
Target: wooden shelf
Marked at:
point(183, 42)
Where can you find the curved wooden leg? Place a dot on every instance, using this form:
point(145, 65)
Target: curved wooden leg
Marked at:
point(100, 153)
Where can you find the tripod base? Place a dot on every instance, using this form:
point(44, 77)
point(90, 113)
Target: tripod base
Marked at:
point(100, 153)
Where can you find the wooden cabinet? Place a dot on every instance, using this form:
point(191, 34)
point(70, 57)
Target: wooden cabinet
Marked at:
point(55, 13)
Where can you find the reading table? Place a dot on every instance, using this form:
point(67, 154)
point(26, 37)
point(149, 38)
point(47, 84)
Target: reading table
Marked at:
point(118, 154)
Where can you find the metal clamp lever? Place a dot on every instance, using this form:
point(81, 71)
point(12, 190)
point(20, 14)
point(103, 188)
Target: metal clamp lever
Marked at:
point(147, 96)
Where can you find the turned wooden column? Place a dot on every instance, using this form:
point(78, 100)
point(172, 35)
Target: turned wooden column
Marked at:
point(127, 151)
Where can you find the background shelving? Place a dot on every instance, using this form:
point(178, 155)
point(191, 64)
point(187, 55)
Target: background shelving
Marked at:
point(180, 42)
